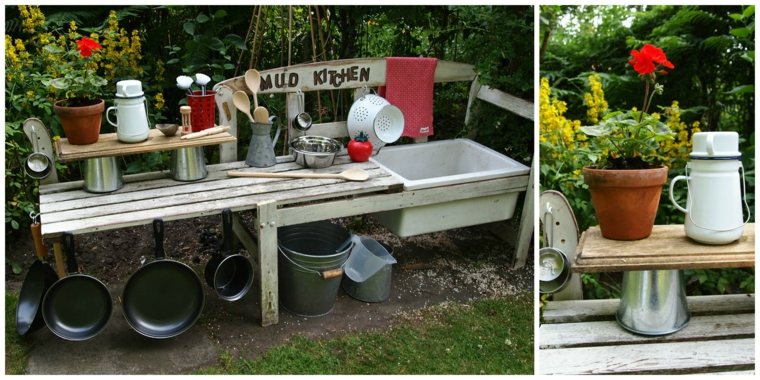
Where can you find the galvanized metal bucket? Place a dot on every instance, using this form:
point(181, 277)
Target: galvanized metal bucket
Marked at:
point(101, 175)
point(653, 302)
point(311, 266)
point(367, 273)
point(188, 164)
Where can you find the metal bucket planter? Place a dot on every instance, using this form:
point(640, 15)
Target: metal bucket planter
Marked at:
point(311, 265)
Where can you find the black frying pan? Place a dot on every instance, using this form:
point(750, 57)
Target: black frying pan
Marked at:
point(78, 306)
point(36, 283)
point(230, 275)
point(164, 298)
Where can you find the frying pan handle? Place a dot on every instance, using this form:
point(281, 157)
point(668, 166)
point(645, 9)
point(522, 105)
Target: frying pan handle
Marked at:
point(158, 234)
point(68, 248)
point(226, 232)
point(39, 247)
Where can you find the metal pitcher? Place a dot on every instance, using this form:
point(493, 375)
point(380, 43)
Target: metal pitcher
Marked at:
point(653, 302)
point(261, 150)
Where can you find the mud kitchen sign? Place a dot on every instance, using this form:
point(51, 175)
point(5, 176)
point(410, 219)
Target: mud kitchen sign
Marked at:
point(321, 77)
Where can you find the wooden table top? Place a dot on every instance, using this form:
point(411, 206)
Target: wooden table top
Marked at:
point(109, 145)
point(667, 248)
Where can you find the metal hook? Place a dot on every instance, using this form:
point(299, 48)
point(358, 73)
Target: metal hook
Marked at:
point(34, 216)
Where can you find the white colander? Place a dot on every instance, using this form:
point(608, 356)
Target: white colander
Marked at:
point(375, 116)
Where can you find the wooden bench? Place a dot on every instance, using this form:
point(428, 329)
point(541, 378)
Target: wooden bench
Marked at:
point(277, 202)
point(582, 336)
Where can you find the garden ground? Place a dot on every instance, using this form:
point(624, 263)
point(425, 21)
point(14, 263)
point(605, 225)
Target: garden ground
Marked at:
point(438, 277)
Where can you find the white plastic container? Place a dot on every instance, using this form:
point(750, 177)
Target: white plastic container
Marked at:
point(447, 162)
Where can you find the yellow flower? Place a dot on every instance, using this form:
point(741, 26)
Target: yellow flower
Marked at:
point(159, 101)
point(597, 105)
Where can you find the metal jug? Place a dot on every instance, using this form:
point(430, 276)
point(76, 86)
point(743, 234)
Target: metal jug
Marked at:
point(714, 189)
point(653, 302)
point(131, 112)
point(261, 150)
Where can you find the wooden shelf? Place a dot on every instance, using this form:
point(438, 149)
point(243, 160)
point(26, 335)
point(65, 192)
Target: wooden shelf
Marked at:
point(109, 145)
point(667, 248)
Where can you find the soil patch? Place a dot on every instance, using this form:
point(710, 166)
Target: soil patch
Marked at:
point(458, 265)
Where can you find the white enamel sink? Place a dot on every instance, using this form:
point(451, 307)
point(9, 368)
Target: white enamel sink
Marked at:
point(447, 162)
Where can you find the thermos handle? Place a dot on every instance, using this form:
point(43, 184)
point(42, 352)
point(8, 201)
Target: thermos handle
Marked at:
point(710, 144)
point(670, 193)
point(108, 116)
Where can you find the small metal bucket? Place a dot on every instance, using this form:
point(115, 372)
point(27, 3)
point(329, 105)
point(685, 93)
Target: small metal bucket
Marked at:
point(367, 273)
point(653, 302)
point(102, 175)
point(188, 164)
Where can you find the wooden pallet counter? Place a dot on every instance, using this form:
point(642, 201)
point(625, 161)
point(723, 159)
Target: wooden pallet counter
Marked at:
point(109, 145)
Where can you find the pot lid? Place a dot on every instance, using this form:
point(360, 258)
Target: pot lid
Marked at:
point(707, 145)
point(129, 89)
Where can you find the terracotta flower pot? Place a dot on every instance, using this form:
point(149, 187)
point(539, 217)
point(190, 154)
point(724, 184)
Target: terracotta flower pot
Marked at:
point(81, 124)
point(625, 201)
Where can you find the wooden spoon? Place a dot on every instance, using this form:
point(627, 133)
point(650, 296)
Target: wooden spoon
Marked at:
point(353, 174)
point(241, 101)
point(253, 81)
point(261, 115)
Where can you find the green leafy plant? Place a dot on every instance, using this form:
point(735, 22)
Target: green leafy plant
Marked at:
point(79, 84)
point(631, 139)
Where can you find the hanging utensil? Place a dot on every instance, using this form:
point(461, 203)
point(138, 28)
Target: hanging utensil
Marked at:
point(302, 121)
point(37, 164)
point(202, 80)
point(78, 306)
point(231, 275)
point(36, 283)
point(353, 174)
point(164, 298)
point(242, 103)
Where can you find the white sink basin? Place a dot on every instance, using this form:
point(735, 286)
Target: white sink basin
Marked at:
point(447, 162)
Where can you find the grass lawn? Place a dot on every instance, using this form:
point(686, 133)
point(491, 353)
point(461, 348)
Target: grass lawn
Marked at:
point(485, 337)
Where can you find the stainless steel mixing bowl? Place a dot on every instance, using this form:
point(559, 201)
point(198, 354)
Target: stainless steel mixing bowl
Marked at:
point(314, 151)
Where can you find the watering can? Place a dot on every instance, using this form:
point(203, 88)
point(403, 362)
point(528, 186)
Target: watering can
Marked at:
point(715, 192)
point(261, 149)
point(131, 112)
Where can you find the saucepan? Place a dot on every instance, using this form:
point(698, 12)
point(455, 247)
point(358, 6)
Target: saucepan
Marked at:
point(230, 275)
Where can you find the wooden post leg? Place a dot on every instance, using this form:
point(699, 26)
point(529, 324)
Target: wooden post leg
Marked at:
point(266, 228)
point(525, 233)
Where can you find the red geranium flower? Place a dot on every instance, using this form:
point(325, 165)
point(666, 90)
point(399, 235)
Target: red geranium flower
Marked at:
point(86, 46)
point(646, 61)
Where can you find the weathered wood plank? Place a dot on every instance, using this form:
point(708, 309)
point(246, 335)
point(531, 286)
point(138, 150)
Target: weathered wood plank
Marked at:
point(340, 74)
point(202, 208)
point(609, 333)
point(385, 202)
point(525, 232)
point(595, 310)
point(676, 357)
point(667, 248)
point(108, 145)
point(168, 192)
point(509, 102)
point(266, 229)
